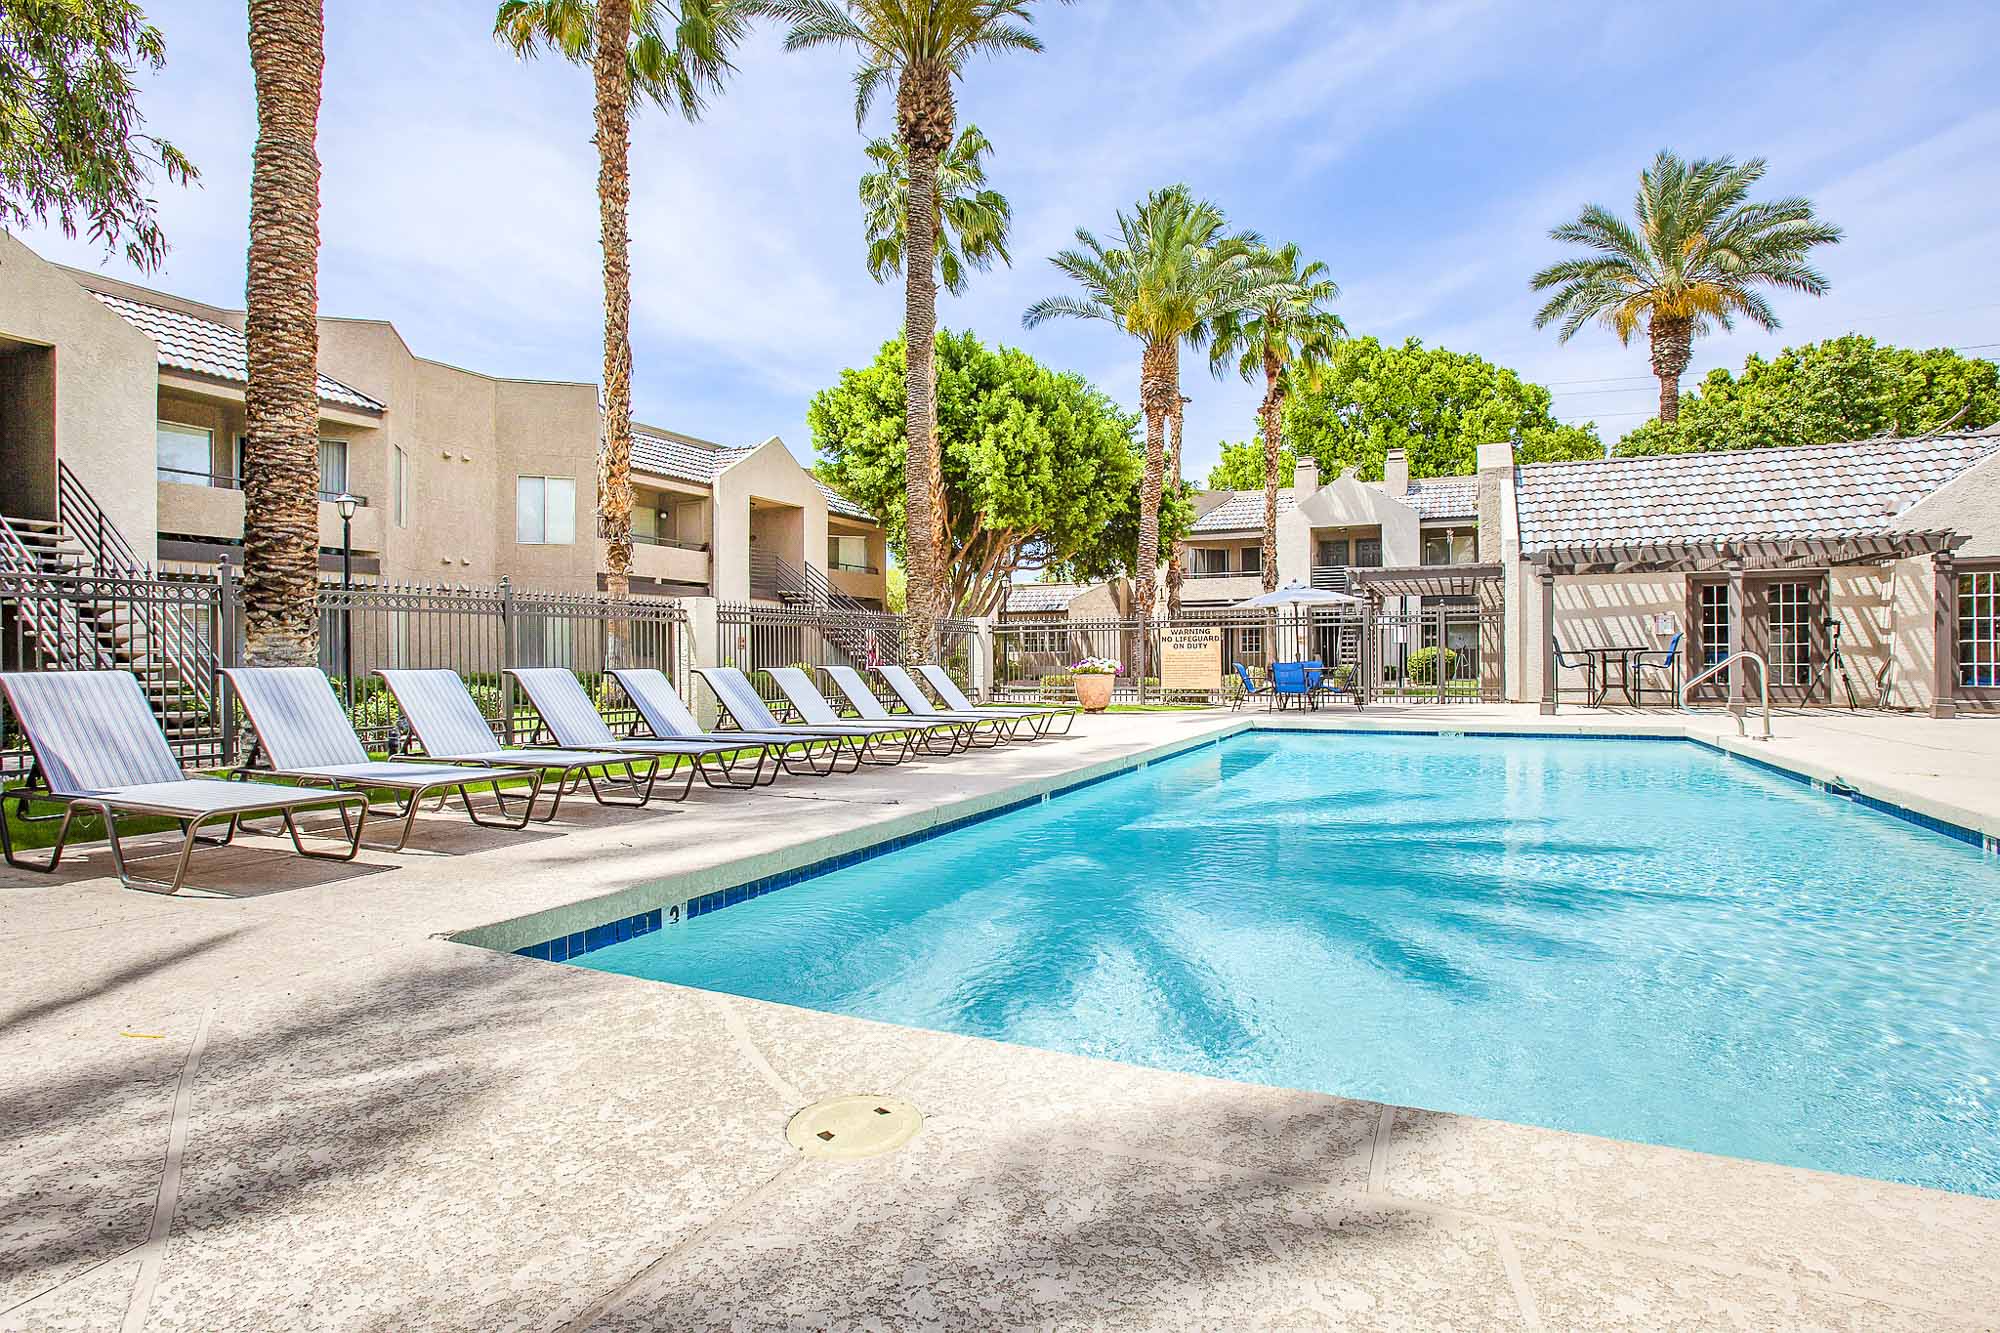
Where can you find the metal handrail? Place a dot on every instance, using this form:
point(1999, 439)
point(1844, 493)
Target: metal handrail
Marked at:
point(1763, 685)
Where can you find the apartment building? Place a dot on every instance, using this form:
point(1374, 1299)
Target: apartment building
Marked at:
point(129, 402)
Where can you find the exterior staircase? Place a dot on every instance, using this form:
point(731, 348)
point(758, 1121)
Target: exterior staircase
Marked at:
point(84, 601)
point(841, 620)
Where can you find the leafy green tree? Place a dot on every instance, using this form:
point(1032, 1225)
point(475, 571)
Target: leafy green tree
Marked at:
point(1436, 405)
point(1241, 467)
point(1695, 260)
point(1176, 271)
point(71, 148)
point(919, 47)
point(1290, 330)
point(1847, 388)
point(972, 218)
point(1041, 469)
point(675, 55)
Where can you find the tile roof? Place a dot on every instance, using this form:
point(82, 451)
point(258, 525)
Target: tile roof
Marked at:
point(1041, 596)
point(1444, 497)
point(207, 347)
point(685, 458)
point(1243, 511)
point(1816, 490)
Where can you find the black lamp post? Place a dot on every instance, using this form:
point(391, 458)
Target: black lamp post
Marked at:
point(347, 504)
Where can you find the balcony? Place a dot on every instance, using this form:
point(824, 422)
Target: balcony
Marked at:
point(665, 559)
point(201, 504)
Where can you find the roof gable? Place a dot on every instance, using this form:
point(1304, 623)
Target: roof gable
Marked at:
point(685, 458)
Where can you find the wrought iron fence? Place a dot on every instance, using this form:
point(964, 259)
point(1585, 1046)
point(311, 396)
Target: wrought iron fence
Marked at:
point(755, 638)
point(1383, 654)
point(177, 633)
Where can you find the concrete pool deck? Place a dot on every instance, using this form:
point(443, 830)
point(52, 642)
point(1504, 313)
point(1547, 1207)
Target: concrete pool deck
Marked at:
point(300, 1108)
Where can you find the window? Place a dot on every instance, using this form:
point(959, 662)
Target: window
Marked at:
point(184, 453)
point(1253, 560)
point(1790, 614)
point(332, 468)
point(847, 551)
point(544, 511)
point(1715, 625)
point(1208, 560)
point(400, 486)
point(1250, 642)
point(1979, 629)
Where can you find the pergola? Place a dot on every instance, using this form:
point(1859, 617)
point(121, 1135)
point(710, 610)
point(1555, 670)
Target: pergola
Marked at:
point(1737, 557)
point(1478, 581)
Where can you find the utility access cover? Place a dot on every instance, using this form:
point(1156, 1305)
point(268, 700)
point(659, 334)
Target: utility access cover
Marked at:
point(844, 1128)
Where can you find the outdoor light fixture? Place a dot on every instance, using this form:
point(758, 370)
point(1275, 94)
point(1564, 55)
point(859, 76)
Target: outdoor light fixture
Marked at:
point(346, 504)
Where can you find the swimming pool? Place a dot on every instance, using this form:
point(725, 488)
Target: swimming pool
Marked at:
point(1641, 939)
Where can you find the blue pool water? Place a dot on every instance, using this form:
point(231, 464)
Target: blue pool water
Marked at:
point(1640, 939)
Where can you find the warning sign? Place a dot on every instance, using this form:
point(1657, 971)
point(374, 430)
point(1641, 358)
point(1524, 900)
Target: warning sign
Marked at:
point(1191, 657)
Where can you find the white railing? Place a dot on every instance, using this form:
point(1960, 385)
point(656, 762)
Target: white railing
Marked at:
point(1763, 686)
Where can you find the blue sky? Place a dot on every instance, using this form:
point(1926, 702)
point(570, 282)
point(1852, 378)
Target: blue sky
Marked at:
point(1421, 151)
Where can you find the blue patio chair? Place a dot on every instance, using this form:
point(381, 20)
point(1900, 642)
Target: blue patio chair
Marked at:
point(98, 748)
point(1576, 661)
point(1321, 680)
point(1251, 689)
point(1666, 663)
point(1289, 681)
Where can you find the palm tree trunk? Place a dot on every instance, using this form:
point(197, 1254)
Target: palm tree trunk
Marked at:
point(281, 333)
point(1273, 399)
point(1159, 386)
point(924, 114)
point(1673, 345)
point(1177, 562)
point(614, 194)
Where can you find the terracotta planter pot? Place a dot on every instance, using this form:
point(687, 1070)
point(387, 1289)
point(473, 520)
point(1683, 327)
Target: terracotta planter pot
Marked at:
point(1094, 691)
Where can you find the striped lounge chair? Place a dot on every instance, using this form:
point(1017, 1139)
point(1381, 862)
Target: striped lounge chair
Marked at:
point(963, 728)
point(97, 748)
point(448, 724)
point(818, 710)
point(300, 732)
point(570, 720)
point(868, 742)
point(1040, 718)
point(667, 716)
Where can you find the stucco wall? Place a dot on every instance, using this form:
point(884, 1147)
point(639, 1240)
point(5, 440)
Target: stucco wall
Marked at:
point(1592, 611)
point(106, 382)
point(769, 473)
point(1969, 503)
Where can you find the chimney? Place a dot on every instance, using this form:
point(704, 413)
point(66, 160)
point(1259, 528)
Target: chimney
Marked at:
point(1305, 477)
point(1396, 473)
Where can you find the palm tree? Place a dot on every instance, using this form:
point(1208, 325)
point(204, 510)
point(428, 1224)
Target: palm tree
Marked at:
point(921, 46)
point(1177, 561)
point(677, 57)
point(1291, 329)
point(1698, 254)
point(1175, 272)
point(969, 213)
point(281, 336)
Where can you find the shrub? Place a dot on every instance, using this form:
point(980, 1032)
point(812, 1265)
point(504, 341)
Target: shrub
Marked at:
point(1421, 669)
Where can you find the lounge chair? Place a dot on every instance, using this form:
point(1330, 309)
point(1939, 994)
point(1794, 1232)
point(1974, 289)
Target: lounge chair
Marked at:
point(916, 704)
point(449, 725)
point(570, 720)
point(1251, 689)
point(1040, 717)
point(868, 742)
point(300, 732)
point(955, 733)
point(98, 748)
point(667, 716)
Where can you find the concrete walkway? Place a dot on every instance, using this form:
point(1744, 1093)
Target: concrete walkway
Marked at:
point(300, 1109)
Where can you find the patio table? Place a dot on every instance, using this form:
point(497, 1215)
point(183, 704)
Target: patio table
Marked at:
point(1603, 658)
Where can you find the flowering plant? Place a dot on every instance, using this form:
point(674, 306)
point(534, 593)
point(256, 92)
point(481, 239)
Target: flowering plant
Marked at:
point(1095, 666)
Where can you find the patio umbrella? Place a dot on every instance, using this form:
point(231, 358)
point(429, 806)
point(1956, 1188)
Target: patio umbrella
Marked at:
point(1297, 594)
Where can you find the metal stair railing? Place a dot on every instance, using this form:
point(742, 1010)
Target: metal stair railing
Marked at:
point(54, 621)
point(1763, 683)
point(160, 634)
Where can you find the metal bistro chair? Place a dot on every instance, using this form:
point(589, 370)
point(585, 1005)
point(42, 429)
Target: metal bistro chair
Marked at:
point(1251, 689)
point(1667, 663)
point(1290, 680)
point(1578, 661)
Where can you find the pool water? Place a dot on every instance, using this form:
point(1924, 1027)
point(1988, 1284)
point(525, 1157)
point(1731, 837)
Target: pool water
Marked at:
point(1641, 939)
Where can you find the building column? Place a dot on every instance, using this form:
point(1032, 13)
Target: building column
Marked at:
point(1547, 577)
point(1944, 636)
point(1736, 639)
point(703, 642)
point(982, 660)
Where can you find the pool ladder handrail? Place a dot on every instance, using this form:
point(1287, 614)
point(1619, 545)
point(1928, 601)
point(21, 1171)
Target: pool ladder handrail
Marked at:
point(1763, 685)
